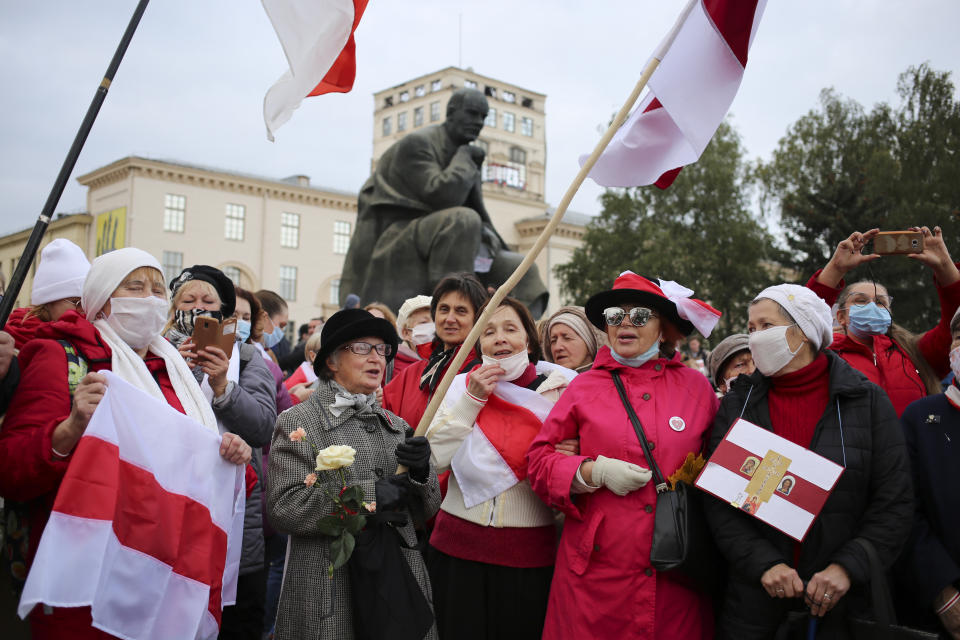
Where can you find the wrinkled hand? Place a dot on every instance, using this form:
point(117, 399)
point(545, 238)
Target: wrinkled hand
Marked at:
point(214, 362)
point(847, 257)
point(86, 397)
point(570, 447)
point(482, 380)
point(234, 450)
point(826, 588)
point(7, 353)
point(186, 350)
point(950, 619)
point(301, 391)
point(414, 454)
point(781, 581)
point(476, 154)
point(380, 396)
point(619, 476)
point(936, 256)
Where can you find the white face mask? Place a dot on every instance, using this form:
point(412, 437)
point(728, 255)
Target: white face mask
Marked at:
point(137, 320)
point(770, 349)
point(514, 365)
point(423, 333)
point(955, 362)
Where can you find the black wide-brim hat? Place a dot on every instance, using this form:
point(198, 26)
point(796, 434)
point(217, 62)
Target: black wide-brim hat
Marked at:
point(636, 289)
point(224, 285)
point(349, 324)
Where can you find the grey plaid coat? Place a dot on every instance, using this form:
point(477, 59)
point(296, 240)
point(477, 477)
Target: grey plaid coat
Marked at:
point(313, 607)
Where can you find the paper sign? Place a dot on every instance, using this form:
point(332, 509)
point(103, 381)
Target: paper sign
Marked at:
point(770, 478)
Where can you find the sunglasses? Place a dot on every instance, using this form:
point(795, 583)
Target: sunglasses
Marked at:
point(639, 316)
point(363, 348)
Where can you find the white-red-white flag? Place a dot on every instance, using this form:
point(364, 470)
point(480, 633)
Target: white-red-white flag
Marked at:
point(317, 38)
point(701, 66)
point(147, 525)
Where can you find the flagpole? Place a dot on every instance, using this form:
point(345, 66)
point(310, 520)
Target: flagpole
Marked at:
point(534, 251)
point(33, 242)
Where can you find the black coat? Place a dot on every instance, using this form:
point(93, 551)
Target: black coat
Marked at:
point(873, 499)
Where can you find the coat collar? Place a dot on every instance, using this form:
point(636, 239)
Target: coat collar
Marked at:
point(324, 397)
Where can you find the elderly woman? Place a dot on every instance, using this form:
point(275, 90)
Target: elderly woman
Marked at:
point(240, 389)
point(493, 544)
point(416, 330)
point(729, 360)
point(810, 396)
point(354, 353)
point(126, 306)
point(569, 339)
point(906, 366)
point(604, 585)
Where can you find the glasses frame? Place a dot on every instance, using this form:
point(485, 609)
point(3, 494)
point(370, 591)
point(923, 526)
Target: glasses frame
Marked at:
point(888, 306)
point(639, 316)
point(382, 349)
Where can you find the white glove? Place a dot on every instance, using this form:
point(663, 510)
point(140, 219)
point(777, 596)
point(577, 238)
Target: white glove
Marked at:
point(619, 476)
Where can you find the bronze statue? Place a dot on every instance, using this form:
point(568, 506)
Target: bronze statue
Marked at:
point(421, 217)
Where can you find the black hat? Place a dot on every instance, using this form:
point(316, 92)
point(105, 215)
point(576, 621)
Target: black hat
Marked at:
point(348, 324)
point(219, 280)
point(637, 289)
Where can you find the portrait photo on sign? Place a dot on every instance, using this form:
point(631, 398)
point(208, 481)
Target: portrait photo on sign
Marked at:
point(749, 466)
point(786, 485)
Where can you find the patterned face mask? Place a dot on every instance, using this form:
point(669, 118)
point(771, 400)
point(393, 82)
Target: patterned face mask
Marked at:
point(184, 319)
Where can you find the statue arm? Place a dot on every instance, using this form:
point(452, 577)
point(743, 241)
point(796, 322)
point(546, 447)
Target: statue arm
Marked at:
point(438, 186)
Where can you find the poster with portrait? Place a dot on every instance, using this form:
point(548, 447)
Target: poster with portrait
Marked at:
point(769, 477)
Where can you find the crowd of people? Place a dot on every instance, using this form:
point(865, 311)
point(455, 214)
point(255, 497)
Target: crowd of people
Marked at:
point(528, 505)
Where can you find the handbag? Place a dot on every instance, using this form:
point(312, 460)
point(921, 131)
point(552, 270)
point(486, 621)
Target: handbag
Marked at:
point(681, 539)
point(883, 625)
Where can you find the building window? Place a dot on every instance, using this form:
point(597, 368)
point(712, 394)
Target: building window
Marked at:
point(527, 102)
point(341, 236)
point(290, 230)
point(288, 283)
point(469, 84)
point(174, 212)
point(418, 117)
point(404, 96)
point(434, 111)
point(509, 122)
point(387, 127)
point(335, 291)
point(490, 92)
point(233, 228)
point(401, 122)
point(491, 120)
point(172, 264)
point(526, 126)
point(518, 155)
point(420, 91)
point(233, 273)
point(436, 85)
point(509, 96)
point(388, 101)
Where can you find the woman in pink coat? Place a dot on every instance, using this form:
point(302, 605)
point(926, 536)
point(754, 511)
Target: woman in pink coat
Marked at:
point(603, 584)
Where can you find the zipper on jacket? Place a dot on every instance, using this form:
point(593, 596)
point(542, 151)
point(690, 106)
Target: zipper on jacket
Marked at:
point(493, 510)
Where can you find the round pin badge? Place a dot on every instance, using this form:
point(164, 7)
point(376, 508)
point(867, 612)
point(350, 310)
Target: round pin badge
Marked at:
point(677, 423)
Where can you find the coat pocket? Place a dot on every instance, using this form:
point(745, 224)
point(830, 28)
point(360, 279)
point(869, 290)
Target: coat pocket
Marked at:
point(584, 545)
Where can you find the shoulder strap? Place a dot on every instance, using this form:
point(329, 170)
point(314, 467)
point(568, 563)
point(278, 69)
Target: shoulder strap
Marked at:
point(880, 600)
point(658, 478)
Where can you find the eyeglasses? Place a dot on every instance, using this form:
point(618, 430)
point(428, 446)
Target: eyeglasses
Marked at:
point(639, 316)
point(363, 348)
point(882, 301)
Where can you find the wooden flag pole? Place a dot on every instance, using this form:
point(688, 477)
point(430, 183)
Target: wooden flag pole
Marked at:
point(33, 242)
point(541, 242)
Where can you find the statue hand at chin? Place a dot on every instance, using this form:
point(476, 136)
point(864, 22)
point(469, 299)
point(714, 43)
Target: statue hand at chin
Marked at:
point(476, 154)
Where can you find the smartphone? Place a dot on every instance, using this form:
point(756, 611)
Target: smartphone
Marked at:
point(898, 242)
point(210, 332)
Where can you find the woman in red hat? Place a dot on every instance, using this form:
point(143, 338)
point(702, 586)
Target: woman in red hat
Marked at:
point(603, 583)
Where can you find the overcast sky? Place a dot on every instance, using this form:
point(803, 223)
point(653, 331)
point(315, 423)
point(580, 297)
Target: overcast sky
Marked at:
point(192, 83)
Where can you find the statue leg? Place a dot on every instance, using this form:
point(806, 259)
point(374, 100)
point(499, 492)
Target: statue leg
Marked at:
point(530, 290)
point(447, 241)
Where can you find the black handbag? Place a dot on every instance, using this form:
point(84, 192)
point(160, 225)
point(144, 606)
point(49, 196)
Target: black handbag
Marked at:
point(681, 539)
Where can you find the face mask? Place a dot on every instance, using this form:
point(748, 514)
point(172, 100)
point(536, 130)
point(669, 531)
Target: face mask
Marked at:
point(243, 330)
point(185, 319)
point(137, 320)
point(514, 365)
point(770, 349)
point(868, 320)
point(271, 340)
point(636, 361)
point(423, 333)
point(955, 362)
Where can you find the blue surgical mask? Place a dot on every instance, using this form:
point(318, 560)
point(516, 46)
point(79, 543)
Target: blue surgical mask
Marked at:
point(636, 361)
point(271, 340)
point(869, 320)
point(243, 330)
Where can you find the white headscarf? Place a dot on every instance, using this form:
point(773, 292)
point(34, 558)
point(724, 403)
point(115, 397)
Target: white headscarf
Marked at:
point(807, 308)
point(106, 274)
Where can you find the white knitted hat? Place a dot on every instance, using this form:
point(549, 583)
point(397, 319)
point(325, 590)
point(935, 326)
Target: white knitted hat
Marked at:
point(60, 274)
point(807, 308)
point(409, 306)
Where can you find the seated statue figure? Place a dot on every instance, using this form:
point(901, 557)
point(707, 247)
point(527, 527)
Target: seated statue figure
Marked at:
point(421, 217)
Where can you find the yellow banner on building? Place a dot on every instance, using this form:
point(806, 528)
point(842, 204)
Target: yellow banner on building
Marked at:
point(111, 230)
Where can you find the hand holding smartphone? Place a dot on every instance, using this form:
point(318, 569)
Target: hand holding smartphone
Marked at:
point(898, 242)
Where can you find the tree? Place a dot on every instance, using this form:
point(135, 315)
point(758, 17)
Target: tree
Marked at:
point(697, 232)
point(841, 169)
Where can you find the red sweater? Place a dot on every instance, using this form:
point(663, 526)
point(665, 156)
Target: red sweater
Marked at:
point(797, 400)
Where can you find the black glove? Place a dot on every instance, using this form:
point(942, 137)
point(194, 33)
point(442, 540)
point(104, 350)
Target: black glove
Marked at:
point(392, 492)
point(414, 453)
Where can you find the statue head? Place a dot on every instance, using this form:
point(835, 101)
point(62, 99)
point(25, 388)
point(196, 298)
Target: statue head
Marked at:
point(466, 111)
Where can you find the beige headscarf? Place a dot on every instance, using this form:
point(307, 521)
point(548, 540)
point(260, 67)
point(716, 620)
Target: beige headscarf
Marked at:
point(576, 319)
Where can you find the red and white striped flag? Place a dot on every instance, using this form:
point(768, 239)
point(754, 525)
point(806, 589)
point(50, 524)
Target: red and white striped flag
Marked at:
point(317, 38)
point(146, 528)
point(701, 66)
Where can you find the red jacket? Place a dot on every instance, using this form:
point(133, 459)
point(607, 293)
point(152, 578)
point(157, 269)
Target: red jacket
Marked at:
point(603, 584)
point(887, 364)
point(404, 358)
point(21, 327)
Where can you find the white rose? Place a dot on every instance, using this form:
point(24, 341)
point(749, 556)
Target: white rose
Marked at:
point(334, 457)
